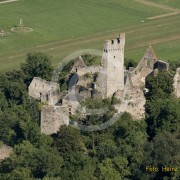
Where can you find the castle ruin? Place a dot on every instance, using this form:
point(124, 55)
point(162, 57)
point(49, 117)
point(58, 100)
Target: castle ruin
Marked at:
point(113, 80)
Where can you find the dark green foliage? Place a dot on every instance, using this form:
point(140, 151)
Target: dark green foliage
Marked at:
point(37, 65)
point(3, 102)
point(174, 65)
point(122, 151)
point(163, 151)
point(162, 110)
point(162, 115)
point(90, 60)
point(13, 89)
point(35, 162)
point(97, 105)
point(161, 86)
point(68, 141)
point(64, 75)
point(130, 63)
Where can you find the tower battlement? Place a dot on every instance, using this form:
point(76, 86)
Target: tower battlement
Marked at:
point(115, 44)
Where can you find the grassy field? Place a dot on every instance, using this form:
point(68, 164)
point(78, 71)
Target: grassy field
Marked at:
point(172, 3)
point(62, 27)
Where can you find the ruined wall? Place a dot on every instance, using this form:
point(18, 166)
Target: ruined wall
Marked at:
point(138, 76)
point(52, 117)
point(146, 66)
point(5, 152)
point(177, 83)
point(133, 102)
point(71, 105)
point(44, 90)
point(88, 69)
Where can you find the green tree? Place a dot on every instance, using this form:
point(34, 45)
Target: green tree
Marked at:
point(162, 115)
point(3, 102)
point(68, 141)
point(160, 86)
point(162, 151)
point(106, 171)
point(36, 162)
point(37, 65)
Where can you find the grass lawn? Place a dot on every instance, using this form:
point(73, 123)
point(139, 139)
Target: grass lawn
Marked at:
point(172, 3)
point(62, 27)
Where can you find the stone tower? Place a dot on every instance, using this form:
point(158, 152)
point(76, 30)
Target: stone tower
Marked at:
point(113, 66)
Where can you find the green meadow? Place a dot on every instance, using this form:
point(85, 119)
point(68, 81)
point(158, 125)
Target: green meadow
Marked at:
point(172, 3)
point(62, 27)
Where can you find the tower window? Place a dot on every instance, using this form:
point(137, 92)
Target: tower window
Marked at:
point(118, 40)
point(114, 56)
point(112, 41)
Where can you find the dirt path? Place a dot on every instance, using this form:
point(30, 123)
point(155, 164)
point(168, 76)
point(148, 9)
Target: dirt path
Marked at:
point(163, 15)
point(8, 1)
point(161, 6)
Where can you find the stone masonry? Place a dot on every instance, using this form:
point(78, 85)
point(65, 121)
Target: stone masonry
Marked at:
point(111, 77)
point(113, 80)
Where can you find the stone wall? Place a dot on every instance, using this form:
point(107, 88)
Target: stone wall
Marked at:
point(88, 69)
point(133, 102)
point(44, 91)
point(40, 86)
point(177, 83)
point(52, 117)
point(5, 152)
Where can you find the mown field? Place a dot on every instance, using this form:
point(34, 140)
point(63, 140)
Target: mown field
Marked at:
point(62, 27)
point(173, 3)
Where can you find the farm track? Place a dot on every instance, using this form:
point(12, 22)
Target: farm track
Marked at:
point(8, 1)
point(148, 3)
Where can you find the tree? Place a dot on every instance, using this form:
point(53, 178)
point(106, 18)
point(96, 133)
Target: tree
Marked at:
point(37, 65)
point(162, 115)
point(162, 151)
point(3, 102)
point(107, 172)
point(160, 86)
point(130, 63)
point(36, 162)
point(68, 141)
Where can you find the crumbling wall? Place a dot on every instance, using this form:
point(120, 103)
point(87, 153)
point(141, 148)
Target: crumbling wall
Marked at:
point(88, 69)
point(177, 83)
point(71, 105)
point(5, 152)
point(40, 86)
point(133, 102)
point(52, 117)
point(138, 76)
